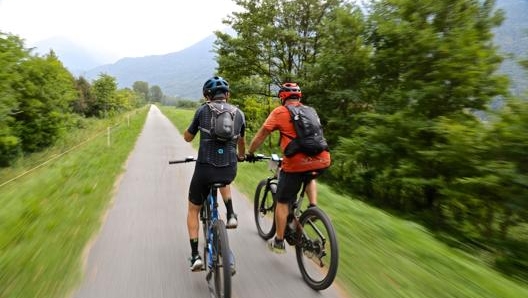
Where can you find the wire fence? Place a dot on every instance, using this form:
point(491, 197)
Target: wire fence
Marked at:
point(107, 132)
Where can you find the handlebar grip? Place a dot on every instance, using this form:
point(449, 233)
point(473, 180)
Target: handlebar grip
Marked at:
point(257, 157)
point(187, 159)
point(171, 162)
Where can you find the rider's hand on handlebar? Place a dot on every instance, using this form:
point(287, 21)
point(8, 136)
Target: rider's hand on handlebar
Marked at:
point(250, 157)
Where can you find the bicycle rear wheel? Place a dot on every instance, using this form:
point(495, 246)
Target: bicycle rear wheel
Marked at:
point(264, 208)
point(221, 261)
point(317, 252)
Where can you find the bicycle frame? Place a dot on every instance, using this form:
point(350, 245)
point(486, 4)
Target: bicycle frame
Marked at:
point(216, 249)
point(209, 216)
point(275, 167)
point(309, 230)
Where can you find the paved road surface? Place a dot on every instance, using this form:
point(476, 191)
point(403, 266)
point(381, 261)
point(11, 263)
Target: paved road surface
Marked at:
point(142, 248)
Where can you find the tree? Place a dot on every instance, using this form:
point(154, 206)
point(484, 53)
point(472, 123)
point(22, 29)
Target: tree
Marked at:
point(45, 95)
point(444, 49)
point(155, 93)
point(431, 60)
point(141, 88)
point(126, 99)
point(104, 89)
point(275, 42)
point(485, 199)
point(11, 53)
point(85, 101)
point(337, 84)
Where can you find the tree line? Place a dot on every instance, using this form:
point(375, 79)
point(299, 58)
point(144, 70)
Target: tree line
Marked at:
point(40, 99)
point(418, 118)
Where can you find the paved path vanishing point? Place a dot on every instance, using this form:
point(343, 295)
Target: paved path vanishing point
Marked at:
point(142, 248)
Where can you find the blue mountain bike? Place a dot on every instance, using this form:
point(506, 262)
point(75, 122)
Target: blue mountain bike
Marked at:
point(217, 255)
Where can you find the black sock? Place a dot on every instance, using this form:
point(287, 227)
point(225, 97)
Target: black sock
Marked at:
point(194, 246)
point(229, 206)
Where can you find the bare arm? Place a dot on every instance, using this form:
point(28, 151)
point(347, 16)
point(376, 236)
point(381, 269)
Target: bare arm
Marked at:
point(258, 139)
point(241, 146)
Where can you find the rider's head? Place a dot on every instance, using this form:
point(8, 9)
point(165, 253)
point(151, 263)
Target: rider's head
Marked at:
point(289, 91)
point(215, 88)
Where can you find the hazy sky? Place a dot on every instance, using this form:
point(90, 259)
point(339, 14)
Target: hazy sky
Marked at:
point(116, 28)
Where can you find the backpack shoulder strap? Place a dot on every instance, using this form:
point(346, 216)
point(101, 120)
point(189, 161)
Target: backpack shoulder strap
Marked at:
point(293, 110)
point(233, 112)
point(213, 110)
point(213, 107)
point(226, 107)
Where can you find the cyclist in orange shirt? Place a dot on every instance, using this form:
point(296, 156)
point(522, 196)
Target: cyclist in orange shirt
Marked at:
point(293, 167)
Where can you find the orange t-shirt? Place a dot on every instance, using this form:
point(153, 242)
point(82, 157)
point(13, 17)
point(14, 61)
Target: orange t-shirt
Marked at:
point(279, 119)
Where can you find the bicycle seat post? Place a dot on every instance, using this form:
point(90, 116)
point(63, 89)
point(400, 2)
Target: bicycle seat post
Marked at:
point(214, 193)
point(297, 203)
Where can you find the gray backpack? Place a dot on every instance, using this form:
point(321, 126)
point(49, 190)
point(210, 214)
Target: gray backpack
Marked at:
point(222, 122)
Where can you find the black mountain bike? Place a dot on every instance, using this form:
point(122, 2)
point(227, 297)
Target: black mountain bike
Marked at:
point(309, 230)
point(217, 255)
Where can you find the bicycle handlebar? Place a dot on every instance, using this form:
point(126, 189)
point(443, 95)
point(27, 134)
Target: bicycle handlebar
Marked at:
point(187, 159)
point(273, 157)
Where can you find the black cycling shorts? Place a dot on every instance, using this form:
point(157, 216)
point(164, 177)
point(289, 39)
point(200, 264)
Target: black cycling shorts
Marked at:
point(206, 174)
point(290, 184)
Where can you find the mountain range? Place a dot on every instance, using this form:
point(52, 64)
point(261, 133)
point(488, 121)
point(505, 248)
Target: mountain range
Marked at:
point(512, 38)
point(181, 74)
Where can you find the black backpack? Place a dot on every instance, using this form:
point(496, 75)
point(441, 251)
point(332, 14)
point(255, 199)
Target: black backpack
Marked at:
point(222, 122)
point(310, 139)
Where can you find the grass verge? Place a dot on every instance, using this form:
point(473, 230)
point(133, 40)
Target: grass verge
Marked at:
point(384, 256)
point(49, 214)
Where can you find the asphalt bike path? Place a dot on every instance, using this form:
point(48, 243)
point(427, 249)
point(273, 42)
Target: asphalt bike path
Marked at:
point(142, 249)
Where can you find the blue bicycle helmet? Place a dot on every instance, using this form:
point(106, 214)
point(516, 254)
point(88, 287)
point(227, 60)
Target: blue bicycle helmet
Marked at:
point(214, 86)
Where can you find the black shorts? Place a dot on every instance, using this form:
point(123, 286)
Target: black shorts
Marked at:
point(290, 184)
point(205, 175)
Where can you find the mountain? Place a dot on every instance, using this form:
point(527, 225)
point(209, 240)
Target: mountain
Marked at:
point(512, 38)
point(180, 74)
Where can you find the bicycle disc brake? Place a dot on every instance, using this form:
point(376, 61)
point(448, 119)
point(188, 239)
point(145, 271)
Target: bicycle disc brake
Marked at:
point(314, 250)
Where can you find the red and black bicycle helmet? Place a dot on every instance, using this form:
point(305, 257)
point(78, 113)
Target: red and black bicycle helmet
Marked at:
point(214, 86)
point(289, 90)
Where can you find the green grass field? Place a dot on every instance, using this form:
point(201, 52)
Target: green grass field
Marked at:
point(49, 215)
point(385, 256)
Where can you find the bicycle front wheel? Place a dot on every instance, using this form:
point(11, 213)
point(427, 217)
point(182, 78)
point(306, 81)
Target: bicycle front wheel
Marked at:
point(264, 208)
point(222, 260)
point(317, 252)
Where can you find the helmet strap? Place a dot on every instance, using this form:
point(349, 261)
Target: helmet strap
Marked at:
point(290, 99)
